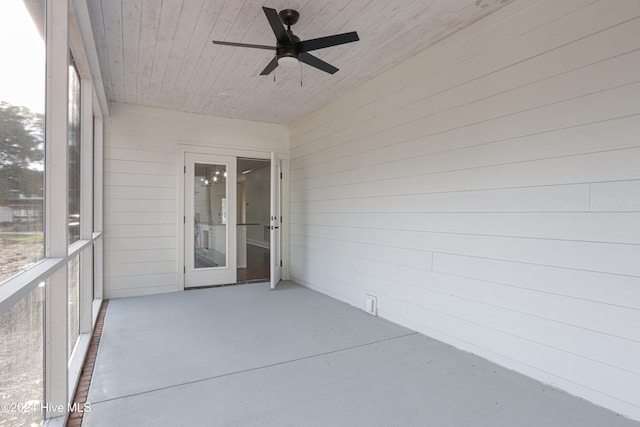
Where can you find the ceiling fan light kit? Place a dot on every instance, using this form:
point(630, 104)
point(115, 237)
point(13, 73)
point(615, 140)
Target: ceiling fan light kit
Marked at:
point(288, 61)
point(289, 49)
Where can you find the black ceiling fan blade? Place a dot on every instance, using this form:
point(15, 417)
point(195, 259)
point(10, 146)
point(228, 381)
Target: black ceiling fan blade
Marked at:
point(254, 46)
point(276, 26)
point(316, 62)
point(322, 42)
point(270, 67)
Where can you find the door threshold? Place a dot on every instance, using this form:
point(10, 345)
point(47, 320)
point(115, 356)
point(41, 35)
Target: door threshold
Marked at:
point(243, 282)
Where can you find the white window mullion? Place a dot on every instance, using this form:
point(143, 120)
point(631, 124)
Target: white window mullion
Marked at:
point(86, 295)
point(97, 272)
point(86, 151)
point(97, 201)
point(56, 378)
point(86, 205)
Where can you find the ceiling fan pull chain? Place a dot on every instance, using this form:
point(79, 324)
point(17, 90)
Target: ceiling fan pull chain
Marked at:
point(300, 74)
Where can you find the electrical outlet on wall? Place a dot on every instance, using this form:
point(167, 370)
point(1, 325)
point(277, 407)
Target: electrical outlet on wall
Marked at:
point(371, 304)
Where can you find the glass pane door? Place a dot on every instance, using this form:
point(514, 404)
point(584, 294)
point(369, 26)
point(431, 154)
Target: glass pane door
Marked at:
point(210, 215)
point(210, 229)
point(253, 245)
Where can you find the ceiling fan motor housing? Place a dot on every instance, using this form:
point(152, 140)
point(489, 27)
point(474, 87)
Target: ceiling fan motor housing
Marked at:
point(284, 50)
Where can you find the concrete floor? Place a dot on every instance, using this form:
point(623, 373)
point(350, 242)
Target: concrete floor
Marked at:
point(245, 355)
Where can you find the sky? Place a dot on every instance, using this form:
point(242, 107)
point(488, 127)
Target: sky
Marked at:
point(22, 56)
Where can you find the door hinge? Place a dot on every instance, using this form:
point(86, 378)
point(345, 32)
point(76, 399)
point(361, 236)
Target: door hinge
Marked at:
point(184, 219)
point(185, 169)
point(184, 269)
point(280, 175)
point(280, 263)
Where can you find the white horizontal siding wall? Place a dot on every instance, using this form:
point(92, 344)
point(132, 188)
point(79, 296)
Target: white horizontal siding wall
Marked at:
point(488, 192)
point(142, 154)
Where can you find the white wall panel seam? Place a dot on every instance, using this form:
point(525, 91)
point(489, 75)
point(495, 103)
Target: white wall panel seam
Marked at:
point(452, 65)
point(448, 314)
point(387, 162)
point(497, 71)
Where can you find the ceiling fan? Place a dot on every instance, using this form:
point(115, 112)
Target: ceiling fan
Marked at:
point(289, 49)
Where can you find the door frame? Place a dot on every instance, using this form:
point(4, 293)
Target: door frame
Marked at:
point(227, 273)
point(182, 150)
point(275, 221)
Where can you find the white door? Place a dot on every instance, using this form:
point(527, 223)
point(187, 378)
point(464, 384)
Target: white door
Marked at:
point(210, 220)
point(276, 220)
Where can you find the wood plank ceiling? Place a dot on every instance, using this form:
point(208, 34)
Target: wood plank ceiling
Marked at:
point(159, 53)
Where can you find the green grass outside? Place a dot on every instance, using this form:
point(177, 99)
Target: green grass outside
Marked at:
point(21, 237)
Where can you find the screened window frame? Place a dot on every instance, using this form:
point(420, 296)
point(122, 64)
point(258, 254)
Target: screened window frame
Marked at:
point(64, 20)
